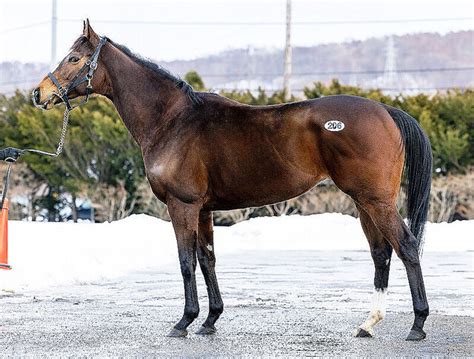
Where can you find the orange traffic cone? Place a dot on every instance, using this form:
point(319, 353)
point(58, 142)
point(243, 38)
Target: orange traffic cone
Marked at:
point(4, 236)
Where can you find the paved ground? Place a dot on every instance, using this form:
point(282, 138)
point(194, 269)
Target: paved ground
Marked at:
point(277, 304)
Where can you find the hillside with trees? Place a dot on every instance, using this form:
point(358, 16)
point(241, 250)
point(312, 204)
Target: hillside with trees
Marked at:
point(245, 67)
point(358, 63)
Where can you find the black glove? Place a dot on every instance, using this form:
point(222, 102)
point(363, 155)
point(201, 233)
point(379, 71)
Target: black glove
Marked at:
point(10, 154)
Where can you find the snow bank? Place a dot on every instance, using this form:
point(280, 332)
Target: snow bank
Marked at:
point(48, 254)
point(330, 231)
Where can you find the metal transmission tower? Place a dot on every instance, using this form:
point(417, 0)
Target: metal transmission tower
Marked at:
point(287, 73)
point(390, 77)
point(54, 22)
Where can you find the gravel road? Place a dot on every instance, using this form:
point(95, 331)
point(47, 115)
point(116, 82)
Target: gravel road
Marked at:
point(276, 304)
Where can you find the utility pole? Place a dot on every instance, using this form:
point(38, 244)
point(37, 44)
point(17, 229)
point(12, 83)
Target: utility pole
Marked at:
point(390, 77)
point(287, 73)
point(54, 21)
point(390, 73)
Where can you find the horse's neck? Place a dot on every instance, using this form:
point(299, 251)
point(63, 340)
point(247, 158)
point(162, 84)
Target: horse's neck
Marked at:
point(144, 99)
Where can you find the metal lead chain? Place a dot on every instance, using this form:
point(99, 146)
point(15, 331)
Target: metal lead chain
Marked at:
point(59, 149)
point(63, 132)
point(19, 152)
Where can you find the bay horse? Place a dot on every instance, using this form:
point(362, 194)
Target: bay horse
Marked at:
point(203, 152)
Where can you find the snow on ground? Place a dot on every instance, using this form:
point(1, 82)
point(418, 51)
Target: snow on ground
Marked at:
point(50, 254)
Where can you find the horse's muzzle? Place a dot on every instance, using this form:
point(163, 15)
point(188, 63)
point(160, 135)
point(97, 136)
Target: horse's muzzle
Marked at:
point(36, 97)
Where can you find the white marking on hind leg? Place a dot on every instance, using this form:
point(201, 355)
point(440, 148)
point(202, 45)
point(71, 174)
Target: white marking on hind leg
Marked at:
point(376, 314)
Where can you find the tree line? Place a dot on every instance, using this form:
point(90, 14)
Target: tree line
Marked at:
point(102, 163)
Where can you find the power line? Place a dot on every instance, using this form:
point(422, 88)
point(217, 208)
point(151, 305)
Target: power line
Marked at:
point(398, 90)
point(401, 89)
point(272, 89)
point(18, 82)
point(343, 72)
point(268, 23)
point(241, 23)
point(24, 27)
point(320, 73)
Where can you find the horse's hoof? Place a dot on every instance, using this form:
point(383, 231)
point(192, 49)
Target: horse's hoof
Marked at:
point(206, 330)
point(362, 333)
point(416, 335)
point(177, 333)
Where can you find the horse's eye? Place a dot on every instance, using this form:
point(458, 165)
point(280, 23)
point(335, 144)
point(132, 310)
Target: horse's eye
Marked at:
point(73, 59)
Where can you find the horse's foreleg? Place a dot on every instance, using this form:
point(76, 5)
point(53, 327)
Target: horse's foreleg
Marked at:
point(381, 252)
point(207, 261)
point(395, 231)
point(185, 222)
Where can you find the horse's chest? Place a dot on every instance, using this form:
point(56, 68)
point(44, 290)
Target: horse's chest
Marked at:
point(159, 176)
point(175, 176)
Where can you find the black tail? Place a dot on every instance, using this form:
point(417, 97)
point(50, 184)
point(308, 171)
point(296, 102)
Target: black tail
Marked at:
point(418, 169)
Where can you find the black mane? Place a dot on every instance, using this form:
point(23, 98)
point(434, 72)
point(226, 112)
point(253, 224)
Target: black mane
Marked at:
point(179, 83)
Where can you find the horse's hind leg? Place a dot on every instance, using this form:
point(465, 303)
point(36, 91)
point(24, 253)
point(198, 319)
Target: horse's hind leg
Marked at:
point(381, 252)
point(386, 218)
point(207, 261)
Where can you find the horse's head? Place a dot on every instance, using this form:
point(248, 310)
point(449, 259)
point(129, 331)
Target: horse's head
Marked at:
point(75, 75)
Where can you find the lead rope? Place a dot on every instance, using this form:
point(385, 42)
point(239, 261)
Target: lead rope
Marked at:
point(60, 147)
point(11, 155)
point(12, 159)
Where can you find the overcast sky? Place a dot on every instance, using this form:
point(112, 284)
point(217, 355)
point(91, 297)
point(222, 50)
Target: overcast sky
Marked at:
point(179, 37)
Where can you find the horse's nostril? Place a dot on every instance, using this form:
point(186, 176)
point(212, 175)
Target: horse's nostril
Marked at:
point(36, 95)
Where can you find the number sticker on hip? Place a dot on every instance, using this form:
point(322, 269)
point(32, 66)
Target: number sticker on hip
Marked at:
point(334, 126)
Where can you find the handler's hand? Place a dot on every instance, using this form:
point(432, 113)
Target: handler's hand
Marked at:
point(10, 154)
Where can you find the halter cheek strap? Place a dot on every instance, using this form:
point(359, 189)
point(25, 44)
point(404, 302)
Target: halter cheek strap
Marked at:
point(91, 63)
point(62, 93)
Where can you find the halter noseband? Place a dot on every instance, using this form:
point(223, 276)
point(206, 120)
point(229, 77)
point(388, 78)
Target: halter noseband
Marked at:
point(91, 63)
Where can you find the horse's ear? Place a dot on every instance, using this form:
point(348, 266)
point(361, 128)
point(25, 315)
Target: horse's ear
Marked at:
point(90, 33)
